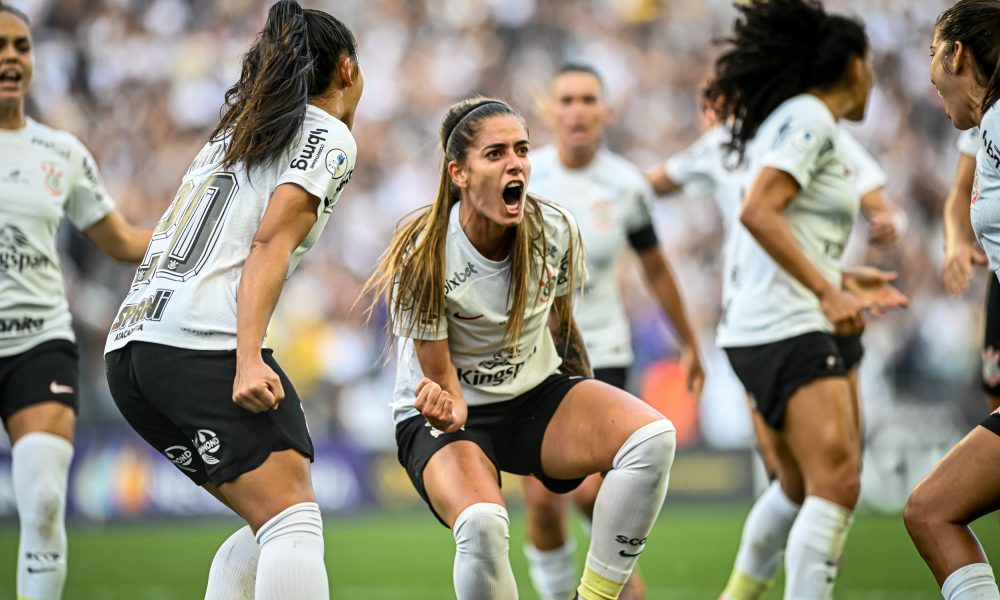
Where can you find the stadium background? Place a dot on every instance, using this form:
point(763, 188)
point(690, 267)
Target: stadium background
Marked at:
point(140, 82)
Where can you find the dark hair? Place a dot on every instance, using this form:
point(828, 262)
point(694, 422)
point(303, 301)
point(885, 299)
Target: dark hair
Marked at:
point(292, 58)
point(976, 23)
point(778, 49)
point(579, 67)
point(7, 8)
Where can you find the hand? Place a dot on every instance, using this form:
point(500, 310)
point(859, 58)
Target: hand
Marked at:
point(257, 387)
point(873, 285)
point(958, 267)
point(439, 408)
point(691, 361)
point(882, 228)
point(843, 311)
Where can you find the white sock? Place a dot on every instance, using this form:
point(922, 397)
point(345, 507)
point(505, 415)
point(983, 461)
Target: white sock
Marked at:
point(234, 569)
point(482, 567)
point(971, 582)
point(626, 508)
point(40, 465)
point(553, 572)
point(815, 546)
point(764, 534)
point(291, 556)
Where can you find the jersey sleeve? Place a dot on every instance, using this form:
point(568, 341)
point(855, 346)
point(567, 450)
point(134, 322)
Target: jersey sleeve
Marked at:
point(322, 162)
point(696, 164)
point(806, 135)
point(639, 220)
point(571, 256)
point(406, 325)
point(868, 174)
point(969, 142)
point(87, 200)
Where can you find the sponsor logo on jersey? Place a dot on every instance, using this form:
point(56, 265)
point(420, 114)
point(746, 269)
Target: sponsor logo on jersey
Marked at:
point(207, 444)
point(311, 151)
point(336, 163)
point(991, 151)
point(16, 254)
point(181, 457)
point(19, 326)
point(460, 277)
point(52, 178)
point(503, 367)
point(15, 177)
point(149, 308)
point(89, 172)
point(50, 145)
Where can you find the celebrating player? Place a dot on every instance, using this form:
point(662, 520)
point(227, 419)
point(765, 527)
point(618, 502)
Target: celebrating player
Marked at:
point(44, 175)
point(492, 370)
point(965, 69)
point(185, 361)
point(783, 298)
point(609, 199)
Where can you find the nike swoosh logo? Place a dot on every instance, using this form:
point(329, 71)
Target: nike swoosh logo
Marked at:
point(623, 553)
point(57, 388)
point(464, 318)
point(42, 570)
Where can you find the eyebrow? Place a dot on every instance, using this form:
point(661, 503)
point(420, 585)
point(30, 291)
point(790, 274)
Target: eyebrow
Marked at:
point(503, 145)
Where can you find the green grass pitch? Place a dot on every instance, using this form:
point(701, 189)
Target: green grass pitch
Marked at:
point(393, 556)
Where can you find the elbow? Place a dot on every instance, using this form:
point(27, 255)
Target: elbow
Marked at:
point(752, 218)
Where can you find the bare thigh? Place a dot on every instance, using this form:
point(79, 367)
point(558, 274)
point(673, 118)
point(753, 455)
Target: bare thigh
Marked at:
point(45, 417)
point(458, 476)
point(281, 481)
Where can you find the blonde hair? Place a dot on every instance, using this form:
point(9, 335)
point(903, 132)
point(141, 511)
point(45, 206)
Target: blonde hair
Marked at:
point(410, 275)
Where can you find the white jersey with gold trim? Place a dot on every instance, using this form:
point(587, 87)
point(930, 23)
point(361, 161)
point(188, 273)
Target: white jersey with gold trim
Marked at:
point(610, 201)
point(476, 304)
point(45, 174)
point(184, 292)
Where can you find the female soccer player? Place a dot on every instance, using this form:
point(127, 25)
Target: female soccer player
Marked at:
point(493, 375)
point(965, 69)
point(45, 174)
point(783, 297)
point(609, 199)
point(184, 356)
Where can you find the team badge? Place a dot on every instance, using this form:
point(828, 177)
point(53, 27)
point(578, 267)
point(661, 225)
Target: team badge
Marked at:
point(336, 163)
point(53, 178)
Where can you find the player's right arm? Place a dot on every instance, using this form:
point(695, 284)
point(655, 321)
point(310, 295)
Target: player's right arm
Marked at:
point(662, 184)
point(439, 394)
point(961, 250)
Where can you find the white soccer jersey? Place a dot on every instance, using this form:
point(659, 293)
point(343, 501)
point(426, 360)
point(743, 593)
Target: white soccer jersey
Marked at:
point(476, 291)
point(762, 302)
point(969, 142)
point(865, 172)
point(44, 174)
point(184, 292)
point(986, 187)
point(609, 199)
point(703, 168)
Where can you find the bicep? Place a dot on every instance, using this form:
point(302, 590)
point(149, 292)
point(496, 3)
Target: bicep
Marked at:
point(289, 216)
point(965, 174)
point(771, 189)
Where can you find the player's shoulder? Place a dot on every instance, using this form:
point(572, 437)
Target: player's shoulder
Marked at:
point(58, 141)
point(320, 124)
point(991, 121)
point(555, 218)
point(622, 169)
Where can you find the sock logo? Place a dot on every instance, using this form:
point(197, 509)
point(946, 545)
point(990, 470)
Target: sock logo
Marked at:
point(632, 542)
point(207, 444)
point(46, 562)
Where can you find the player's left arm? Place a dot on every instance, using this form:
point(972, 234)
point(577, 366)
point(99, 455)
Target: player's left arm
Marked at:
point(290, 215)
point(119, 239)
point(663, 285)
point(887, 223)
point(567, 338)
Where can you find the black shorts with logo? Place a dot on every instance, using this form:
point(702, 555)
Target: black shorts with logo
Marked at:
point(510, 433)
point(991, 339)
point(49, 372)
point(180, 401)
point(772, 373)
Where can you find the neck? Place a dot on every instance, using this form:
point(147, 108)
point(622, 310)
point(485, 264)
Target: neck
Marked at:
point(334, 104)
point(576, 157)
point(12, 115)
point(837, 101)
point(491, 240)
point(976, 100)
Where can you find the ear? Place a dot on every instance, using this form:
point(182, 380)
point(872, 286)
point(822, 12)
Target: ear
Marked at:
point(346, 70)
point(458, 175)
point(957, 58)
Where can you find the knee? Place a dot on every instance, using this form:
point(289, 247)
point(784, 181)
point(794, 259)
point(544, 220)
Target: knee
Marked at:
point(649, 448)
point(44, 509)
point(839, 479)
point(482, 529)
point(919, 512)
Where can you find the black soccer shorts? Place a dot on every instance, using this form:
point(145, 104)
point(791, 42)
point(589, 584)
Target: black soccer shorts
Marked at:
point(49, 372)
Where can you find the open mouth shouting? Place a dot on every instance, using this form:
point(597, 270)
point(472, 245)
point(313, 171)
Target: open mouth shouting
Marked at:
point(10, 79)
point(513, 195)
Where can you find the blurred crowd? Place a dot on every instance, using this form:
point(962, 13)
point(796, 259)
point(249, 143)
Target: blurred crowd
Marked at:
point(141, 83)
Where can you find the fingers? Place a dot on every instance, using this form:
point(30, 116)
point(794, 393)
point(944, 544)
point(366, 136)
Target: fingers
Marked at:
point(258, 393)
point(435, 404)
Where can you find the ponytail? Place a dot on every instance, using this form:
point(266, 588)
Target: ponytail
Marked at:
point(293, 57)
point(976, 23)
